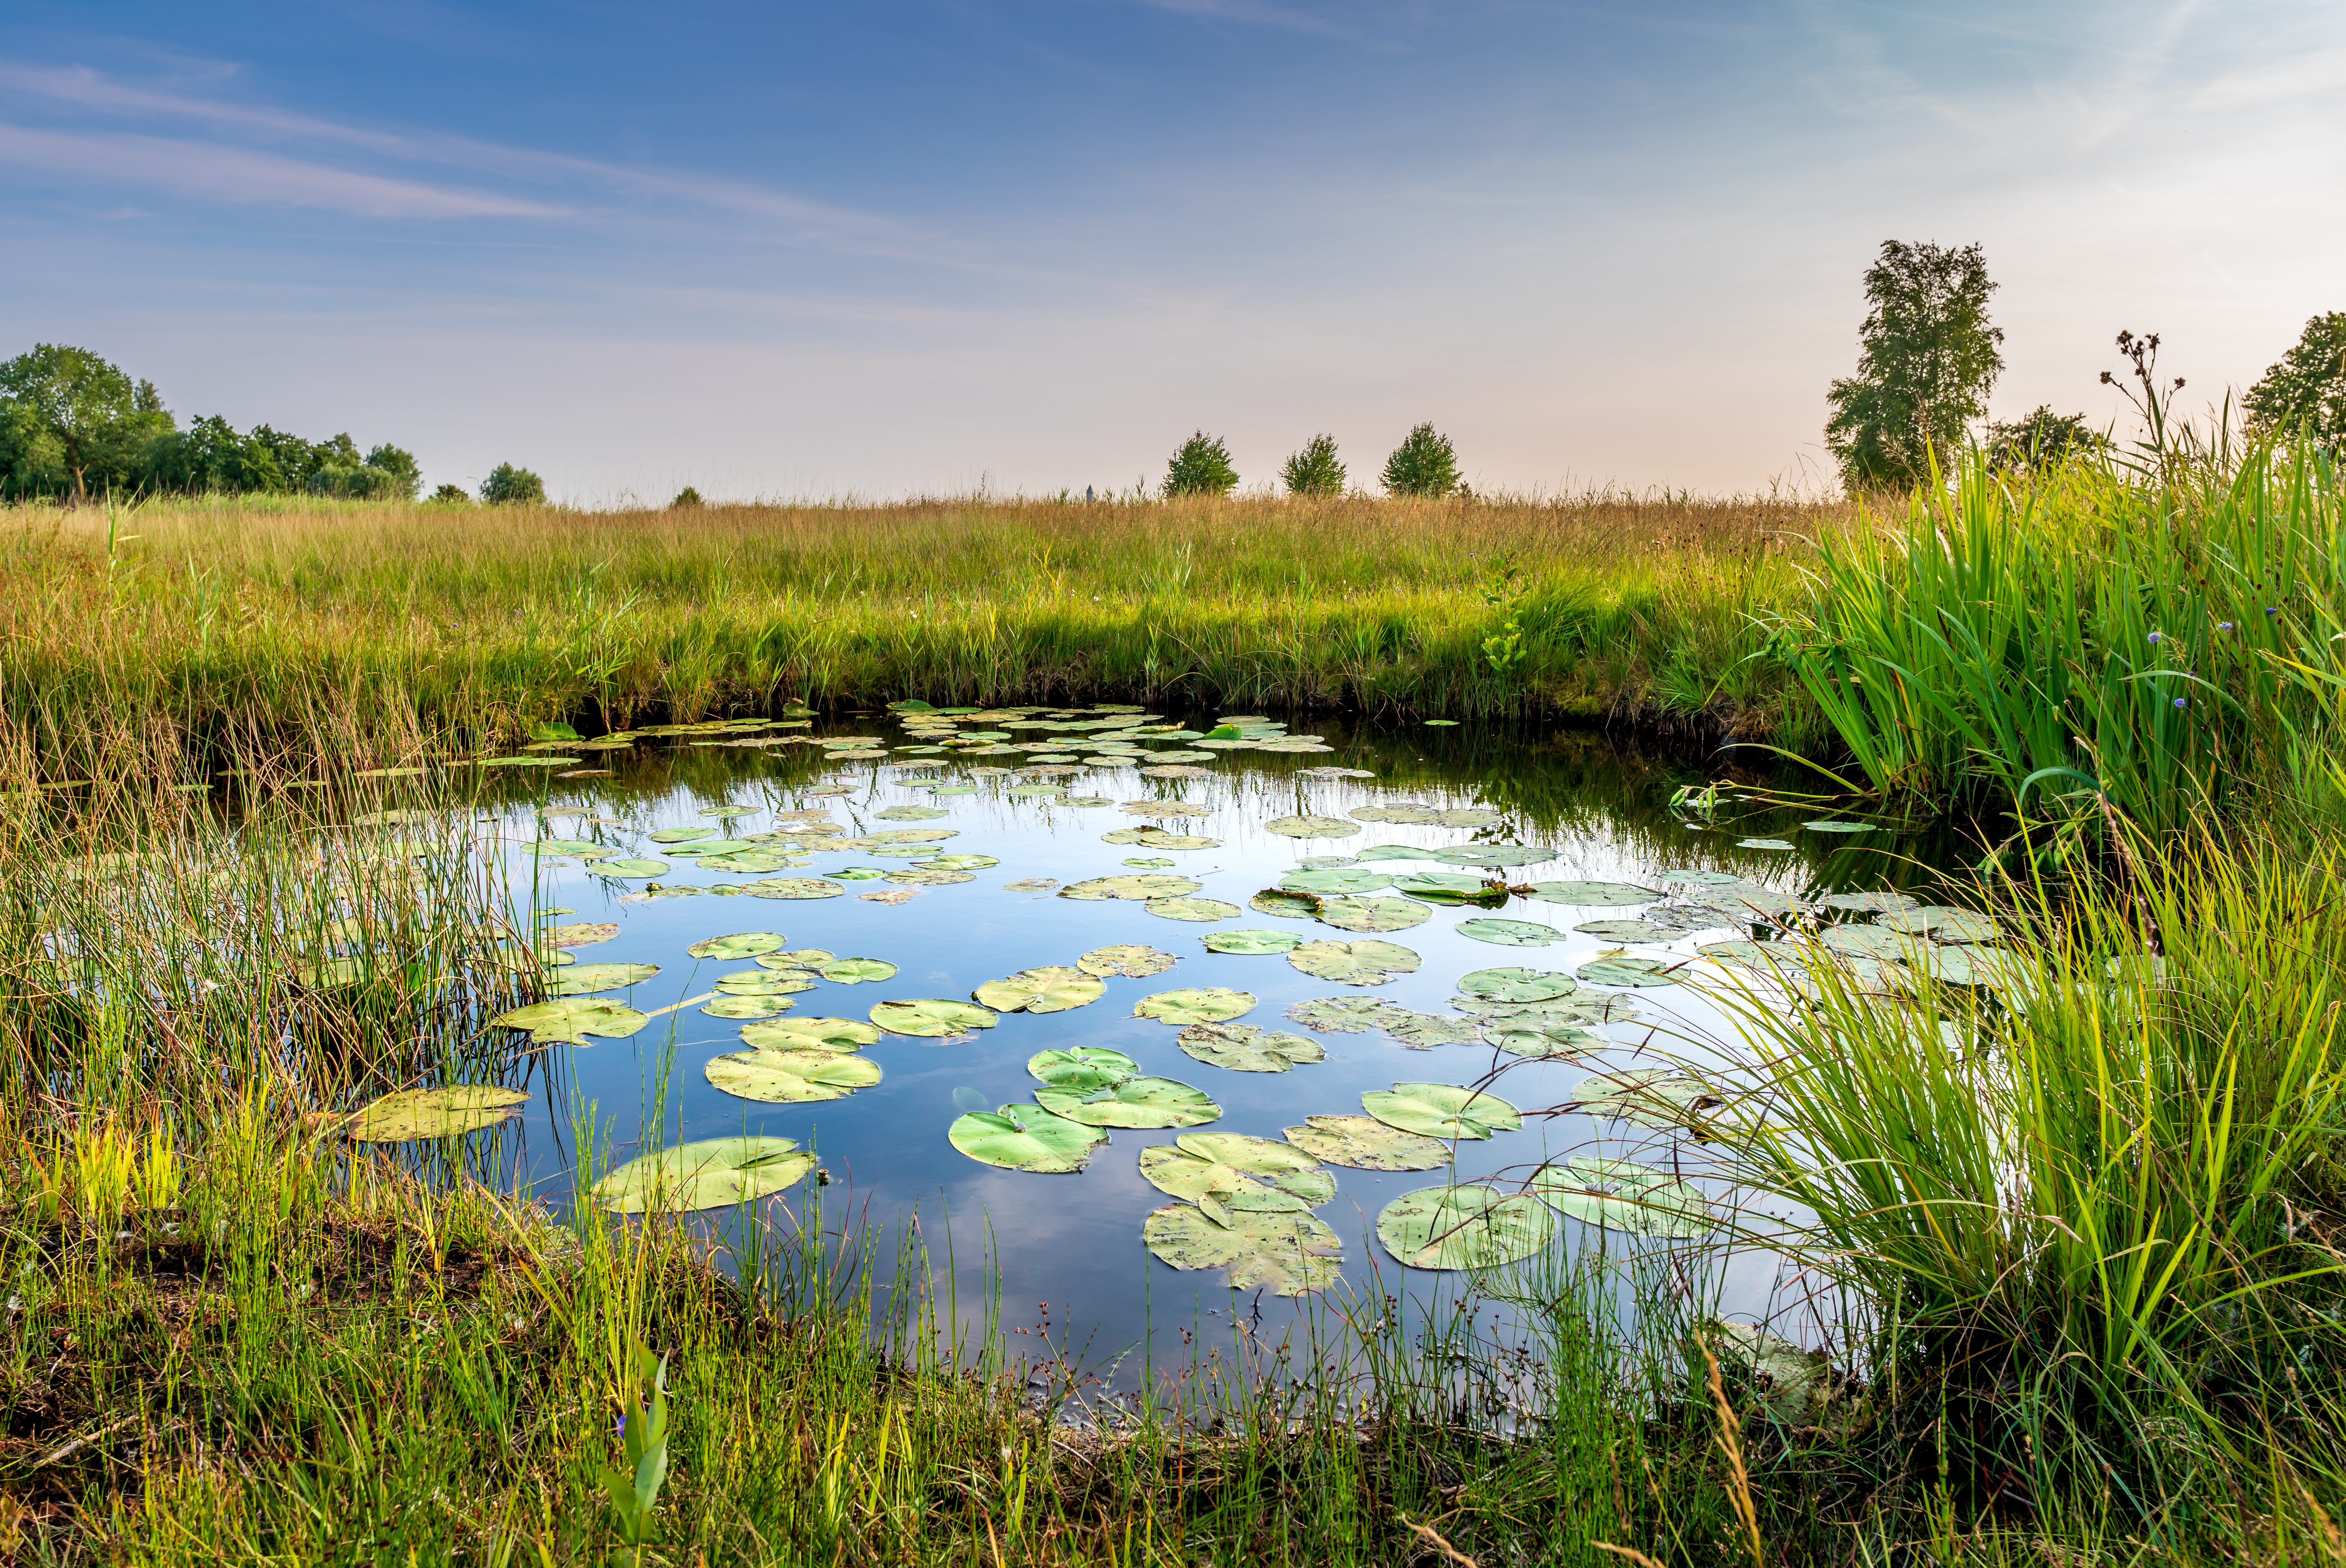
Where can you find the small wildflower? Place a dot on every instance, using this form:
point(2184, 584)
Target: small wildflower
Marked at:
point(2182, 701)
point(2223, 626)
point(2272, 609)
point(2154, 636)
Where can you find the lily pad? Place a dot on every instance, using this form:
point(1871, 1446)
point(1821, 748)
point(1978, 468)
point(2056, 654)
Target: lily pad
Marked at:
point(443, 1113)
point(1159, 840)
point(792, 1077)
point(581, 934)
point(1397, 852)
point(1422, 1031)
point(1869, 941)
point(1942, 924)
point(1354, 963)
point(1084, 1067)
point(1132, 960)
point(960, 863)
point(1143, 885)
point(1346, 878)
point(1443, 1110)
point(1509, 933)
point(928, 877)
point(1366, 1144)
point(854, 970)
point(714, 1173)
point(762, 1005)
point(742, 944)
point(629, 870)
point(1540, 1042)
point(1192, 910)
point(1495, 855)
point(1630, 930)
point(1132, 1103)
point(913, 814)
point(1838, 826)
point(679, 835)
point(1446, 887)
point(1452, 1227)
point(1648, 1096)
point(1763, 844)
point(1516, 985)
point(1053, 988)
point(1285, 1254)
point(1025, 1138)
point(794, 887)
point(1289, 906)
point(809, 1034)
point(931, 1017)
point(1208, 1005)
point(1030, 885)
point(1346, 1015)
point(1593, 895)
point(1251, 941)
point(766, 982)
point(1881, 902)
point(1346, 912)
point(584, 979)
point(1698, 879)
point(1246, 1048)
point(1308, 827)
point(1244, 1175)
point(1625, 1195)
point(1626, 970)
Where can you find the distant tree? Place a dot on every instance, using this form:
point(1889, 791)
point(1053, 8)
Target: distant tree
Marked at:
point(1423, 464)
point(211, 457)
point(509, 486)
point(407, 478)
point(452, 495)
point(362, 482)
point(2042, 440)
point(71, 420)
point(1927, 358)
point(1201, 467)
point(2306, 389)
point(1316, 470)
point(688, 496)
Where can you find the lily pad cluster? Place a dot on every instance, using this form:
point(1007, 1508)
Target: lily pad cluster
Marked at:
point(1246, 1209)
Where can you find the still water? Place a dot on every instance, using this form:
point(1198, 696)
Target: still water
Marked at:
point(1564, 807)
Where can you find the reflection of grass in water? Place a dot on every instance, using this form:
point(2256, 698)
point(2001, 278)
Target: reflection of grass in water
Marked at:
point(259, 608)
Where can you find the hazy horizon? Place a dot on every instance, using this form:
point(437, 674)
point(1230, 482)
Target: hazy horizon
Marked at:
point(917, 249)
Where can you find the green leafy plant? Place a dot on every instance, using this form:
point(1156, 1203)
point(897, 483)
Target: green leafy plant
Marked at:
point(634, 1484)
point(452, 495)
point(1423, 464)
point(1200, 466)
point(1316, 470)
point(509, 486)
point(2042, 440)
point(2306, 388)
point(1927, 357)
point(688, 496)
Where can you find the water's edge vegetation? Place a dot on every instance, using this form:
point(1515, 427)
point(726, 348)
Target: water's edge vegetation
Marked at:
point(2089, 1230)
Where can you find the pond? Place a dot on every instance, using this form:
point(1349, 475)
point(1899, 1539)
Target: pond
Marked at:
point(1023, 973)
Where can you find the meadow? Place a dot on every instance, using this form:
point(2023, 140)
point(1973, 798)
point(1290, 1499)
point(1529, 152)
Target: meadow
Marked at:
point(2086, 1219)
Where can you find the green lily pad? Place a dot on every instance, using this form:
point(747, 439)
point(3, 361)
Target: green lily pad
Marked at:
point(1625, 1195)
point(1132, 960)
point(727, 813)
point(1192, 910)
point(1631, 931)
point(1354, 963)
point(1210, 1004)
point(1837, 825)
point(582, 933)
point(1081, 1067)
point(742, 945)
point(1346, 912)
point(809, 1034)
point(1251, 941)
point(1647, 1096)
point(1698, 879)
point(1942, 924)
point(1285, 1254)
point(443, 1113)
point(924, 877)
point(1227, 1168)
point(1025, 1138)
point(792, 1077)
point(762, 981)
point(1495, 855)
point(1422, 1031)
point(1397, 852)
point(1443, 1110)
point(1626, 970)
point(570, 1020)
point(854, 970)
point(1287, 905)
point(1593, 895)
point(1030, 885)
point(629, 870)
point(679, 835)
point(960, 863)
point(1366, 1144)
point(1516, 985)
point(765, 1005)
point(1308, 827)
point(931, 1017)
point(1446, 887)
point(1132, 1103)
point(1453, 1227)
point(1053, 988)
point(1538, 1042)
point(1345, 1014)
point(714, 1173)
point(1158, 840)
point(1509, 933)
point(1246, 1048)
point(1764, 844)
point(1347, 879)
point(913, 814)
point(1145, 885)
point(794, 887)
point(1870, 940)
point(1883, 902)
point(584, 979)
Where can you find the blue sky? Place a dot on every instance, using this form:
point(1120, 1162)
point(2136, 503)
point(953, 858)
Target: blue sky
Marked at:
point(892, 249)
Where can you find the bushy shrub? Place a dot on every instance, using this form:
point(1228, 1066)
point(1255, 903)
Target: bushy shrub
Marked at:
point(2042, 440)
point(1316, 470)
point(452, 495)
point(1201, 467)
point(688, 496)
point(362, 482)
point(509, 486)
point(1423, 464)
point(407, 478)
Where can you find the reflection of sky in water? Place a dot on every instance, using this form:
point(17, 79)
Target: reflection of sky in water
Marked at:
point(1074, 1241)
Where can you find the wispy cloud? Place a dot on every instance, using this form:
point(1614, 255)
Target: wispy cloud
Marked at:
point(1287, 18)
point(244, 175)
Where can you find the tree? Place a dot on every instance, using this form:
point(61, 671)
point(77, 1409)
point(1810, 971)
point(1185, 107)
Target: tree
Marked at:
point(688, 496)
point(407, 478)
point(77, 423)
point(1423, 464)
point(1927, 357)
point(1201, 467)
point(1316, 470)
point(509, 486)
point(2042, 440)
point(452, 495)
point(2306, 389)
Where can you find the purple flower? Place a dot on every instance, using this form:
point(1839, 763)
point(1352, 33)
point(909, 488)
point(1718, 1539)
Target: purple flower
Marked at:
point(2272, 609)
point(2182, 701)
point(2223, 626)
point(2154, 636)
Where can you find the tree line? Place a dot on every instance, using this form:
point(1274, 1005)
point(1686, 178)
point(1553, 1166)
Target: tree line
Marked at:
point(73, 425)
point(1928, 356)
point(1424, 465)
